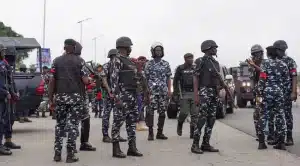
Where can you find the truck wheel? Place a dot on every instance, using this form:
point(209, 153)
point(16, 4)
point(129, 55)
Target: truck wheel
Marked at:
point(229, 110)
point(172, 111)
point(252, 103)
point(221, 112)
point(241, 102)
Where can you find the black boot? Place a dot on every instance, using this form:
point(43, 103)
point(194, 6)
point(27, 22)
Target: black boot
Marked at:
point(195, 147)
point(87, 147)
point(280, 144)
point(121, 139)
point(106, 139)
point(117, 151)
point(179, 128)
point(261, 142)
point(289, 139)
point(12, 145)
point(150, 134)
point(192, 132)
point(57, 157)
point(271, 140)
point(160, 126)
point(208, 148)
point(132, 150)
point(71, 157)
point(4, 151)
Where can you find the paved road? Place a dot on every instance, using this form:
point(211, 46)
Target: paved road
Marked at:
point(236, 148)
point(242, 120)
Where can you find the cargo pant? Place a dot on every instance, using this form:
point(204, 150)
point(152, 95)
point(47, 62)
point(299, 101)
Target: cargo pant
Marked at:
point(187, 107)
point(108, 107)
point(140, 107)
point(159, 103)
point(127, 113)
point(3, 112)
point(207, 113)
point(68, 116)
point(273, 101)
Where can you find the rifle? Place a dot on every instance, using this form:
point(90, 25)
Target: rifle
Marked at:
point(179, 88)
point(223, 84)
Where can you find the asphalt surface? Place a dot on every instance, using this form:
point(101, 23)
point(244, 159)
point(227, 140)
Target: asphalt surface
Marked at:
point(242, 120)
point(236, 148)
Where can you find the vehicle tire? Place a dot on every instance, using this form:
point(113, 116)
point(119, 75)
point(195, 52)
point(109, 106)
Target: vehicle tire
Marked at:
point(172, 111)
point(252, 103)
point(221, 112)
point(241, 103)
point(229, 110)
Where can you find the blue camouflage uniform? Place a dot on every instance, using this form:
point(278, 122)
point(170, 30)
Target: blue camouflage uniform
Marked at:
point(157, 75)
point(274, 78)
point(108, 104)
point(292, 67)
point(69, 108)
point(125, 100)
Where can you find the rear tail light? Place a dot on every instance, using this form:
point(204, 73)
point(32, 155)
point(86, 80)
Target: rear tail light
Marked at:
point(40, 89)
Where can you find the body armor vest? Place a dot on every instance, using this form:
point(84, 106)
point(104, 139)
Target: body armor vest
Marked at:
point(187, 79)
point(208, 75)
point(3, 80)
point(128, 74)
point(68, 75)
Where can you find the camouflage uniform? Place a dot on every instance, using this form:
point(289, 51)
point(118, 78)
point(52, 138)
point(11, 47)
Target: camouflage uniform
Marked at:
point(291, 64)
point(274, 78)
point(157, 75)
point(108, 104)
point(69, 106)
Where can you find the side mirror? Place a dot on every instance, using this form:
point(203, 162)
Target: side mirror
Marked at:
point(229, 77)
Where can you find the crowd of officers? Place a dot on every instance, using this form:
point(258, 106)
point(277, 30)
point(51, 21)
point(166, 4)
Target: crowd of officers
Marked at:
point(275, 88)
point(196, 85)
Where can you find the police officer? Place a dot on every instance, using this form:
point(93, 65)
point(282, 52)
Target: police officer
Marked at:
point(158, 74)
point(85, 117)
point(32, 69)
point(10, 119)
point(23, 68)
point(206, 84)
point(257, 55)
point(183, 88)
point(109, 103)
point(67, 83)
point(4, 98)
point(124, 88)
point(273, 80)
point(291, 95)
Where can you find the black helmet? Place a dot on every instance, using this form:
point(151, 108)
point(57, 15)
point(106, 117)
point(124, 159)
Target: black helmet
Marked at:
point(271, 51)
point(281, 45)
point(78, 49)
point(123, 42)
point(188, 55)
point(154, 45)
point(256, 48)
point(112, 52)
point(208, 44)
point(22, 66)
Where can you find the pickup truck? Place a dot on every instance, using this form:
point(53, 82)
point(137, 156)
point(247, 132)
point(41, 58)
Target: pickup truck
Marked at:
point(29, 85)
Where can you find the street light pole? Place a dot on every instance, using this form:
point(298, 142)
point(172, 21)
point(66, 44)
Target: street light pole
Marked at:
point(95, 46)
point(44, 24)
point(81, 27)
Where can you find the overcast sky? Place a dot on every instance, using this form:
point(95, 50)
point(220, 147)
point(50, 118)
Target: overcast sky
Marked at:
point(181, 25)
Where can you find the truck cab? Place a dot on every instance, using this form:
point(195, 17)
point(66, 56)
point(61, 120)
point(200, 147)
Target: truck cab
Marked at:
point(243, 84)
point(29, 85)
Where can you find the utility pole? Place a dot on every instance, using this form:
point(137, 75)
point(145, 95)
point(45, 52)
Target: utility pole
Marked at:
point(81, 27)
point(44, 24)
point(95, 46)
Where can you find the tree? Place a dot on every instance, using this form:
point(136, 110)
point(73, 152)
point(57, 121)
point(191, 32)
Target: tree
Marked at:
point(6, 31)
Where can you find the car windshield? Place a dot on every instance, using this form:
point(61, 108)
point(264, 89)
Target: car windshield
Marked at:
point(244, 71)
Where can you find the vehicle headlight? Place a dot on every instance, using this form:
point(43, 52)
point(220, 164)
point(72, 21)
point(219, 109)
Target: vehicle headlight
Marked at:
point(248, 84)
point(244, 84)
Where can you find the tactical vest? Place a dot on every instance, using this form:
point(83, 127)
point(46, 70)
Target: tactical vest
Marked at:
point(208, 75)
point(128, 74)
point(187, 79)
point(3, 80)
point(68, 75)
